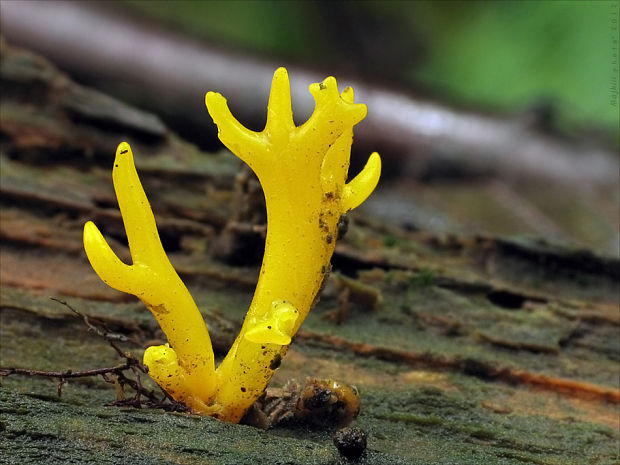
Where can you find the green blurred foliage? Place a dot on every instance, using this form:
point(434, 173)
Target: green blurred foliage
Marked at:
point(499, 55)
point(508, 53)
point(277, 28)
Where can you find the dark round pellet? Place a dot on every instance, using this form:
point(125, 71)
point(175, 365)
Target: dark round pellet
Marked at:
point(350, 442)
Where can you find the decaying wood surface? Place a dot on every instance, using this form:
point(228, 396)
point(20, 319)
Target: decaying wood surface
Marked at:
point(465, 349)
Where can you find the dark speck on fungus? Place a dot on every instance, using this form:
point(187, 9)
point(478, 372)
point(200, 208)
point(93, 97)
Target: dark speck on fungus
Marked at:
point(275, 363)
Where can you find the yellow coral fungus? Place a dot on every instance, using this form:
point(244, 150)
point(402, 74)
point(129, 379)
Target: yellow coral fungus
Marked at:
point(303, 173)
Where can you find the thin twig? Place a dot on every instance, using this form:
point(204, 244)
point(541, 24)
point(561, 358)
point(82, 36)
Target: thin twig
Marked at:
point(113, 375)
point(111, 338)
point(8, 371)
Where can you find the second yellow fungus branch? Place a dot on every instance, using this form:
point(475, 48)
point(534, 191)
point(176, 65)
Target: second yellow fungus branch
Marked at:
point(303, 173)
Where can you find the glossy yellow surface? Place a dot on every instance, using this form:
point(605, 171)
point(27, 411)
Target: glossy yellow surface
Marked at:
point(153, 280)
point(303, 172)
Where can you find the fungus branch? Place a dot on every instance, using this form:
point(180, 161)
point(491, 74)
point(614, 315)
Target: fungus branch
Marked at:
point(303, 173)
point(153, 280)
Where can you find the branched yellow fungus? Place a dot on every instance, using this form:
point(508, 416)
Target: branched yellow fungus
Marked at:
point(303, 172)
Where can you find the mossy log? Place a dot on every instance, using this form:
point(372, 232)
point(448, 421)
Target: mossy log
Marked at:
point(465, 350)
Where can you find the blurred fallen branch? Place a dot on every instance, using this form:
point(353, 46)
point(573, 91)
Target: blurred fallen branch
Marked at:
point(169, 74)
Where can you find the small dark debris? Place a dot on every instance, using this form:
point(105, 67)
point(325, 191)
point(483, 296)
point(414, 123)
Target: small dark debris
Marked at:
point(350, 442)
point(276, 362)
point(478, 369)
point(319, 398)
point(343, 226)
point(506, 299)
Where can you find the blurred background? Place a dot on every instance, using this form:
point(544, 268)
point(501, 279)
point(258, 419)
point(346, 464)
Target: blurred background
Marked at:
point(493, 118)
point(501, 56)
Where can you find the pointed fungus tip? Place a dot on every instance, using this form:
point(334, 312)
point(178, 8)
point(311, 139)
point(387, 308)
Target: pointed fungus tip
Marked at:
point(348, 95)
point(281, 71)
point(123, 148)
